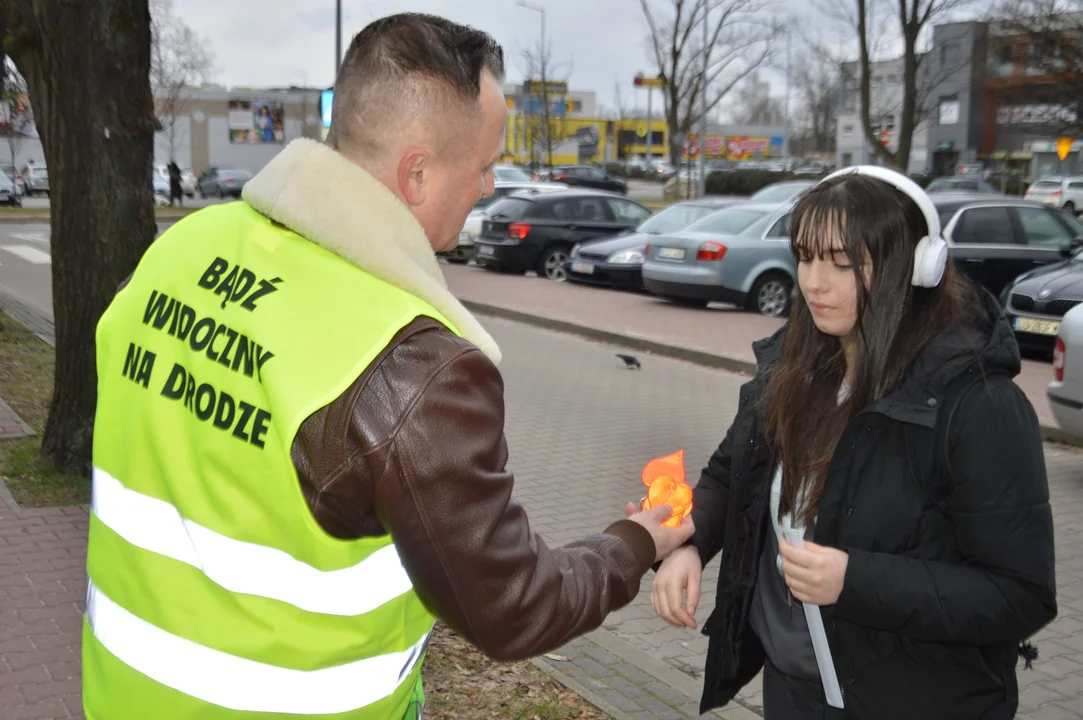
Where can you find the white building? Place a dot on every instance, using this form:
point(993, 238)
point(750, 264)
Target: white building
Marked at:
point(885, 109)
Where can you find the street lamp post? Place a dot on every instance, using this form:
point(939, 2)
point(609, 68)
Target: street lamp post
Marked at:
point(338, 36)
point(703, 110)
point(542, 52)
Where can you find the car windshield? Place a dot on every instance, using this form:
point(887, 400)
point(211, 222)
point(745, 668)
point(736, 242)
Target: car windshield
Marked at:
point(674, 218)
point(511, 174)
point(776, 193)
point(730, 221)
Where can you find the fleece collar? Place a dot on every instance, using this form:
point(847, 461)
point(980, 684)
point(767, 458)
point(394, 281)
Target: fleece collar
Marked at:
point(322, 196)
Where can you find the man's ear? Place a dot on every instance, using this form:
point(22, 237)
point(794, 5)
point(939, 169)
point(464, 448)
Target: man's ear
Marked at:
point(413, 171)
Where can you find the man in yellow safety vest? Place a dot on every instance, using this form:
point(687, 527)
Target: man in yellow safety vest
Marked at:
point(299, 458)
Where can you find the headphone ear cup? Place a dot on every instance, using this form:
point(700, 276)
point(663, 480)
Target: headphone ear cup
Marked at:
point(930, 261)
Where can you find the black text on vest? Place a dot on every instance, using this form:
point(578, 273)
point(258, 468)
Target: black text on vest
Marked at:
point(239, 284)
point(247, 422)
point(221, 344)
point(139, 364)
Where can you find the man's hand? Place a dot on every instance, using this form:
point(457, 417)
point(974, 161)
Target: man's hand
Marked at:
point(814, 573)
point(666, 540)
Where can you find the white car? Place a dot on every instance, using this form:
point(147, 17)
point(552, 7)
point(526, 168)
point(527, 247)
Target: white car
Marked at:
point(1062, 192)
point(1065, 392)
point(464, 251)
point(188, 179)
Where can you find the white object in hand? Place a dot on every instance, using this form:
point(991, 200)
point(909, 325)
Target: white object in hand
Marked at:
point(832, 691)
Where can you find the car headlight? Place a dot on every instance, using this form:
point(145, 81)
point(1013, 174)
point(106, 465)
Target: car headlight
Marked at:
point(575, 250)
point(627, 257)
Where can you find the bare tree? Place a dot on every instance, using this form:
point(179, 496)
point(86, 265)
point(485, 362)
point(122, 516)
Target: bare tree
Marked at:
point(16, 112)
point(179, 59)
point(909, 19)
point(754, 104)
point(543, 129)
point(817, 86)
point(1043, 36)
point(740, 36)
point(87, 66)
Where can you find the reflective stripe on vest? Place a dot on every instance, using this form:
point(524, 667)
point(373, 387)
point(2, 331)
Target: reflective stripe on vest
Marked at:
point(213, 592)
point(242, 567)
point(240, 684)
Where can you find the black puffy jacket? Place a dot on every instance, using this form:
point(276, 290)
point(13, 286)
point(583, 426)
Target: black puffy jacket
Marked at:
point(937, 595)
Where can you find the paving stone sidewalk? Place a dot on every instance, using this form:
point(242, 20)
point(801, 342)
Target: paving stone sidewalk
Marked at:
point(580, 426)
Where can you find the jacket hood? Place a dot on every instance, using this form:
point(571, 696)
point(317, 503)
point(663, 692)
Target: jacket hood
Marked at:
point(334, 203)
point(987, 342)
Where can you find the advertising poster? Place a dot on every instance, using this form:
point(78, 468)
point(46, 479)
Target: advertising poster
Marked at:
point(256, 122)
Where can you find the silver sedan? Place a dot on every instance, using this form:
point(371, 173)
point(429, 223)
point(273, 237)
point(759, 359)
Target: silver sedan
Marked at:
point(1065, 392)
point(739, 255)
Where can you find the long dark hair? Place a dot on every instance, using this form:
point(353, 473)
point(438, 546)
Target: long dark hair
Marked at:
point(875, 223)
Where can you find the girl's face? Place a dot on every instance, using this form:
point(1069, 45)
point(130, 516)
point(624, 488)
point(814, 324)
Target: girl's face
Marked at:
point(829, 287)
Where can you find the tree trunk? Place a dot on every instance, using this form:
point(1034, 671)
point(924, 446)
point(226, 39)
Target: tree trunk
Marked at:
point(87, 67)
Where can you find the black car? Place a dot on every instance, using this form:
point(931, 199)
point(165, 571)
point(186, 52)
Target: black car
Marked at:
point(524, 232)
point(994, 240)
point(617, 261)
point(590, 177)
point(1038, 300)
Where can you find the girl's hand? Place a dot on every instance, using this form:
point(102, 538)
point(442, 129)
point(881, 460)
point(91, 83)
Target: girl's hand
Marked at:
point(814, 573)
point(675, 592)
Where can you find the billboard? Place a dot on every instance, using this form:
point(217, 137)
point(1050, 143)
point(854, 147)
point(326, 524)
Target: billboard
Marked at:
point(256, 122)
point(326, 98)
point(749, 147)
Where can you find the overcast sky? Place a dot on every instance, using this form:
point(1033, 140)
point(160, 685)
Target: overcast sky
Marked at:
point(263, 43)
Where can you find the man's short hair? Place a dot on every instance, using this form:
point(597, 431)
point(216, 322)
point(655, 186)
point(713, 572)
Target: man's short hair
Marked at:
point(408, 68)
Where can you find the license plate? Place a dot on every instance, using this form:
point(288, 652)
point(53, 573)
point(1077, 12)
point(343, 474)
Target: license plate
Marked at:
point(583, 268)
point(671, 253)
point(485, 250)
point(1036, 326)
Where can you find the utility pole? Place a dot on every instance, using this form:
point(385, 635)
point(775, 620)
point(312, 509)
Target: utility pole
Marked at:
point(543, 52)
point(338, 36)
point(703, 107)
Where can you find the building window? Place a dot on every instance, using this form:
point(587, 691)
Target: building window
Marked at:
point(949, 110)
point(889, 122)
point(577, 106)
point(892, 79)
point(949, 55)
point(847, 159)
point(847, 129)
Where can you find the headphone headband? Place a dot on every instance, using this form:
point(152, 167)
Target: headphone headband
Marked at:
point(931, 253)
point(901, 183)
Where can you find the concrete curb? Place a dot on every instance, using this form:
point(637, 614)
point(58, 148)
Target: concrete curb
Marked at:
point(1050, 433)
point(45, 220)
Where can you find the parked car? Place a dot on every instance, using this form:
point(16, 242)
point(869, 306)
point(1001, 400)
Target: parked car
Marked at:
point(464, 250)
point(782, 192)
point(511, 173)
point(161, 190)
point(9, 192)
point(1065, 391)
point(537, 231)
point(960, 184)
point(16, 179)
point(1065, 192)
point(222, 182)
point(188, 179)
point(1039, 299)
point(617, 261)
point(35, 180)
point(589, 177)
point(994, 240)
point(739, 255)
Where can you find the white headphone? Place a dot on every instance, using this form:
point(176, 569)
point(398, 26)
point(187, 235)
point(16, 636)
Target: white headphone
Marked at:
point(931, 254)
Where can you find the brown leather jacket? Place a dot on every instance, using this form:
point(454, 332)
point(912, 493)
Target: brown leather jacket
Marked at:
point(416, 447)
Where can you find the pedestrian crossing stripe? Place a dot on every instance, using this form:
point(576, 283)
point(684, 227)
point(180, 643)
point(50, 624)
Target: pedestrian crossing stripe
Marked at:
point(29, 254)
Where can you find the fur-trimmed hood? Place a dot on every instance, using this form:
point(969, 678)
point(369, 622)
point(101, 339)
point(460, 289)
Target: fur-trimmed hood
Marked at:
point(322, 196)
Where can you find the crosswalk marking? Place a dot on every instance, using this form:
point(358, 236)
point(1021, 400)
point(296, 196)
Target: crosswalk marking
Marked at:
point(31, 255)
point(34, 237)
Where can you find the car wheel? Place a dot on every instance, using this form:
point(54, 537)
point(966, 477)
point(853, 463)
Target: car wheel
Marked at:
point(554, 263)
point(687, 302)
point(1069, 207)
point(221, 194)
point(457, 260)
point(772, 295)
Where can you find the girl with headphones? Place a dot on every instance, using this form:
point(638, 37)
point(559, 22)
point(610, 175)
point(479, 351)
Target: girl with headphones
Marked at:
point(879, 507)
